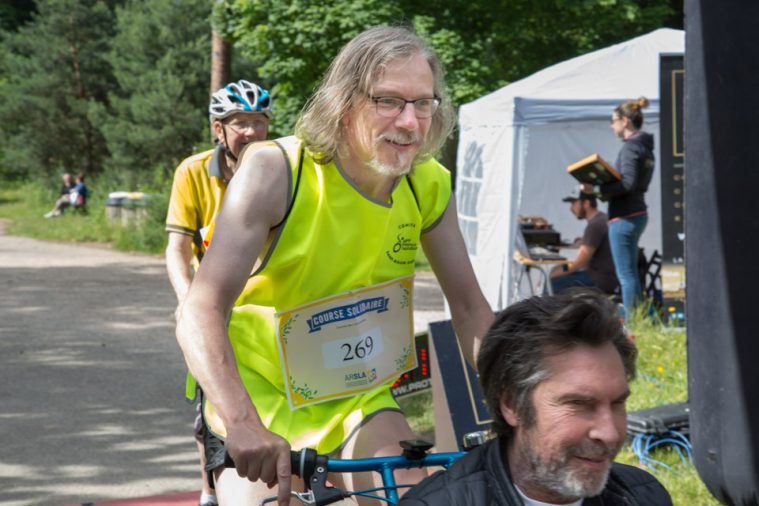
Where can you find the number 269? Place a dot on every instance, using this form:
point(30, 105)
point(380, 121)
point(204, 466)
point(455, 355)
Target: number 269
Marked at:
point(360, 350)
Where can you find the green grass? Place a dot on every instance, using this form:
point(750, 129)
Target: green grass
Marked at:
point(663, 379)
point(419, 412)
point(25, 206)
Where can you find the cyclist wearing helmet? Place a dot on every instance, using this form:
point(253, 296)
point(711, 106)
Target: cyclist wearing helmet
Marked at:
point(239, 114)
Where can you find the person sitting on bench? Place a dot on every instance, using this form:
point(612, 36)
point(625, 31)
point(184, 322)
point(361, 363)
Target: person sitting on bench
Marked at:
point(76, 197)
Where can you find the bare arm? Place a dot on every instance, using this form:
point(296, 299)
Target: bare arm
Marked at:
point(255, 200)
point(581, 261)
point(178, 257)
point(471, 313)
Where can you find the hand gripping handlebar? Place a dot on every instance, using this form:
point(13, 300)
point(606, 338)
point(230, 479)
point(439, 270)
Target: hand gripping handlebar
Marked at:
point(312, 468)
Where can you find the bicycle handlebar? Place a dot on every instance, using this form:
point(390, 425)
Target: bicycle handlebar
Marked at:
point(302, 463)
point(313, 468)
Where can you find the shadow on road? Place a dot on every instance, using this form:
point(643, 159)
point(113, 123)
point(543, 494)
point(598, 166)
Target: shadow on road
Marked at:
point(92, 384)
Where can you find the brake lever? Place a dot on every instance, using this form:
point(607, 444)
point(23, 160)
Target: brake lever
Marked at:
point(304, 497)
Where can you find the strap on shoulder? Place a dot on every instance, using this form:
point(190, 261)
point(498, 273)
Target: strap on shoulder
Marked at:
point(298, 172)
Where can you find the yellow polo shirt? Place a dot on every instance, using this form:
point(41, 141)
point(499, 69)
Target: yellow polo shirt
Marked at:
point(196, 195)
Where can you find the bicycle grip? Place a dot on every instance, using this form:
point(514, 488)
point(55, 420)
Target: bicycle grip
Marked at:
point(301, 463)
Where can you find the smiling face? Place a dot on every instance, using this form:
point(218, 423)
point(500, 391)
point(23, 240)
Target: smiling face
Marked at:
point(388, 145)
point(579, 426)
point(240, 129)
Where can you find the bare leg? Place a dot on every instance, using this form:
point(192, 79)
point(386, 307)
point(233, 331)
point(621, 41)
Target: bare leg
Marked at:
point(199, 430)
point(206, 487)
point(380, 438)
point(61, 205)
point(232, 490)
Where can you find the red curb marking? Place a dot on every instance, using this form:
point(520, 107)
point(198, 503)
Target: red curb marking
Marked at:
point(179, 499)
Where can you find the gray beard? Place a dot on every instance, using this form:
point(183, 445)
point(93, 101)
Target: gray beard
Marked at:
point(560, 478)
point(403, 166)
point(388, 170)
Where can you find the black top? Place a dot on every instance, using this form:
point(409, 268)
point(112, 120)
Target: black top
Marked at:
point(635, 163)
point(66, 189)
point(601, 266)
point(481, 478)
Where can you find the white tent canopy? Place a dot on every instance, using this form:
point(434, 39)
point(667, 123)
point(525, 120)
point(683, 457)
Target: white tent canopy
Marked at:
point(515, 145)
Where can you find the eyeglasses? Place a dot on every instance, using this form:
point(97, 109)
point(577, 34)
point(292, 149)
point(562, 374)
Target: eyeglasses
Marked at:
point(390, 107)
point(241, 126)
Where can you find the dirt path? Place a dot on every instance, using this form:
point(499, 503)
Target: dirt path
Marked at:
point(92, 379)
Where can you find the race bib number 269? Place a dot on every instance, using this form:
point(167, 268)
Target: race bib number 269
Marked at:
point(348, 343)
point(352, 350)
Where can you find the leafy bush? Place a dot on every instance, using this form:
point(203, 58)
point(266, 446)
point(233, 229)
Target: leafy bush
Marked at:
point(147, 233)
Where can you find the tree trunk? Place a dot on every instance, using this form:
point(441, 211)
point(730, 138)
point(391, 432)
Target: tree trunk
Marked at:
point(221, 55)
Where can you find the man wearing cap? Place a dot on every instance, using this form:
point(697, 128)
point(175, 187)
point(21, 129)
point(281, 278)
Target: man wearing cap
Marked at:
point(593, 265)
point(239, 114)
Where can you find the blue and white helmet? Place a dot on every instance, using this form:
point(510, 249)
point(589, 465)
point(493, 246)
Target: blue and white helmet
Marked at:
point(242, 96)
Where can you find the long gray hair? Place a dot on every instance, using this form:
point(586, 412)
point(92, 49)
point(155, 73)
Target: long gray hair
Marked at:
point(348, 83)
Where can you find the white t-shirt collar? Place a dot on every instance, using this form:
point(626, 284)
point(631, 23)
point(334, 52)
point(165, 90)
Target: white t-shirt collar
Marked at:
point(533, 502)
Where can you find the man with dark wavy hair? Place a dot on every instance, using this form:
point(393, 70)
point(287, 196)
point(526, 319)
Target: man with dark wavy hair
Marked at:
point(554, 372)
point(299, 318)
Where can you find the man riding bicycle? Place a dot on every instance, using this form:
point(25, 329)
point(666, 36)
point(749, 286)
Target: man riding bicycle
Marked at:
point(299, 318)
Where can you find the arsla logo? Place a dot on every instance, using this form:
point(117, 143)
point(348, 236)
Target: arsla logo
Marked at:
point(361, 378)
point(354, 376)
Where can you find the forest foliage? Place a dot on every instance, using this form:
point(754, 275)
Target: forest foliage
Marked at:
point(118, 89)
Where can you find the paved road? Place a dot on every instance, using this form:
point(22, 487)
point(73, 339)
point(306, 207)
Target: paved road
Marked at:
point(92, 379)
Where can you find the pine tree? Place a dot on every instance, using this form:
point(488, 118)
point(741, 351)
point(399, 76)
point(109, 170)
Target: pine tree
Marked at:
point(160, 57)
point(53, 69)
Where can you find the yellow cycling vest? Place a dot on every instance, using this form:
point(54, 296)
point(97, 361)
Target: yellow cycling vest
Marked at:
point(334, 239)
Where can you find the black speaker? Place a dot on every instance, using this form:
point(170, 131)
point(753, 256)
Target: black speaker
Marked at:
point(722, 243)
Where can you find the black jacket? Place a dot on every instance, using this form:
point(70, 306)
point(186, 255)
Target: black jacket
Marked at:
point(480, 479)
point(635, 164)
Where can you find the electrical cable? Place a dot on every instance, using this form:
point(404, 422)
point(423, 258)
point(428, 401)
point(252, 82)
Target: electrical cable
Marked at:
point(643, 444)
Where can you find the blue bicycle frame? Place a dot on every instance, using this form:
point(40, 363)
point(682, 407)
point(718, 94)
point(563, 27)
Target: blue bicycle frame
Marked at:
point(386, 465)
point(313, 469)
